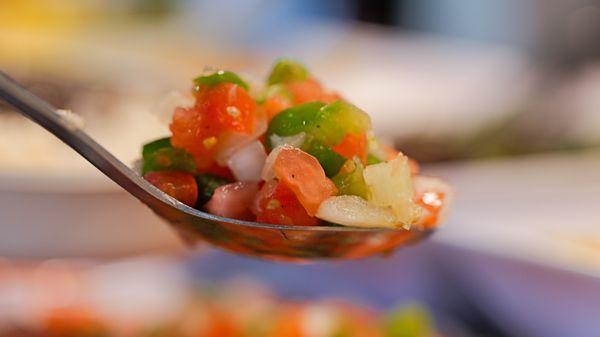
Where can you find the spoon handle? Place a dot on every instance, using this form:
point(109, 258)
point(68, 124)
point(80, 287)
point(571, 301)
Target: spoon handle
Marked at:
point(42, 113)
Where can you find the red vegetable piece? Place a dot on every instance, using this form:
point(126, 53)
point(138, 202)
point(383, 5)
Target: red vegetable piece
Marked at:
point(220, 171)
point(353, 146)
point(303, 174)
point(432, 202)
point(309, 91)
point(275, 105)
point(233, 200)
point(276, 204)
point(221, 108)
point(229, 106)
point(180, 185)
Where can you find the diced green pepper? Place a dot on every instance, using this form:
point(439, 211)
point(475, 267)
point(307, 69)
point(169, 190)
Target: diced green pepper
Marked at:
point(207, 184)
point(371, 159)
point(350, 180)
point(294, 120)
point(286, 70)
point(412, 321)
point(324, 126)
point(151, 147)
point(327, 123)
point(219, 77)
point(159, 155)
point(339, 118)
point(329, 159)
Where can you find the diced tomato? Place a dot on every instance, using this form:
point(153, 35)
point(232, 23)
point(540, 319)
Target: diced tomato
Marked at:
point(233, 200)
point(220, 324)
point(276, 204)
point(434, 196)
point(432, 202)
point(303, 174)
point(309, 91)
point(194, 133)
point(353, 145)
point(229, 106)
point(220, 108)
point(71, 322)
point(275, 105)
point(289, 323)
point(221, 171)
point(180, 185)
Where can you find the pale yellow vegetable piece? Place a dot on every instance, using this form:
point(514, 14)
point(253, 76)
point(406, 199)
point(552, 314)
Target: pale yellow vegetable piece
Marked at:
point(390, 186)
point(351, 210)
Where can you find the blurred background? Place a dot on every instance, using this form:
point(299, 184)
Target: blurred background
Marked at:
point(499, 97)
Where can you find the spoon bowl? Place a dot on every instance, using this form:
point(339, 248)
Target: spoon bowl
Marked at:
point(274, 242)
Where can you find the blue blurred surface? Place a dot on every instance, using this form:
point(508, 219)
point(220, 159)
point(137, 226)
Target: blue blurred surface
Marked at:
point(381, 282)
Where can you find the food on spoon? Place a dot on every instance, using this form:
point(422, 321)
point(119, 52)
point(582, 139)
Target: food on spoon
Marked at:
point(295, 154)
point(180, 185)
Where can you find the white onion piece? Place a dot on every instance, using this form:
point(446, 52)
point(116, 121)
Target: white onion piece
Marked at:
point(165, 107)
point(229, 142)
point(376, 147)
point(296, 140)
point(247, 163)
point(268, 173)
point(351, 210)
point(233, 200)
point(424, 184)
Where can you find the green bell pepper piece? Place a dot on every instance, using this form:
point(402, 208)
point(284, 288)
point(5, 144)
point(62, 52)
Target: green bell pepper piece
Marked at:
point(371, 159)
point(207, 184)
point(219, 77)
point(329, 123)
point(350, 180)
point(151, 147)
point(338, 119)
point(330, 160)
point(324, 126)
point(286, 70)
point(159, 155)
point(293, 120)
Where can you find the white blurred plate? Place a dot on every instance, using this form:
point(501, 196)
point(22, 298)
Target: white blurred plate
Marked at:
point(524, 238)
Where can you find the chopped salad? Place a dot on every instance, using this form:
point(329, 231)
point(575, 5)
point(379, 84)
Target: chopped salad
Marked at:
point(290, 153)
point(215, 313)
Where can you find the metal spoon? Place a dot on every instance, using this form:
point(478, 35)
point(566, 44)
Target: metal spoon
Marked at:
point(285, 243)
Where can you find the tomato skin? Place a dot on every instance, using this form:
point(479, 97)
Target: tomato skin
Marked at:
point(227, 105)
point(219, 108)
point(233, 200)
point(310, 90)
point(275, 105)
point(180, 185)
point(276, 204)
point(432, 202)
point(190, 129)
point(221, 171)
point(289, 323)
point(71, 322)
point(353, 145)
point(303, 174)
